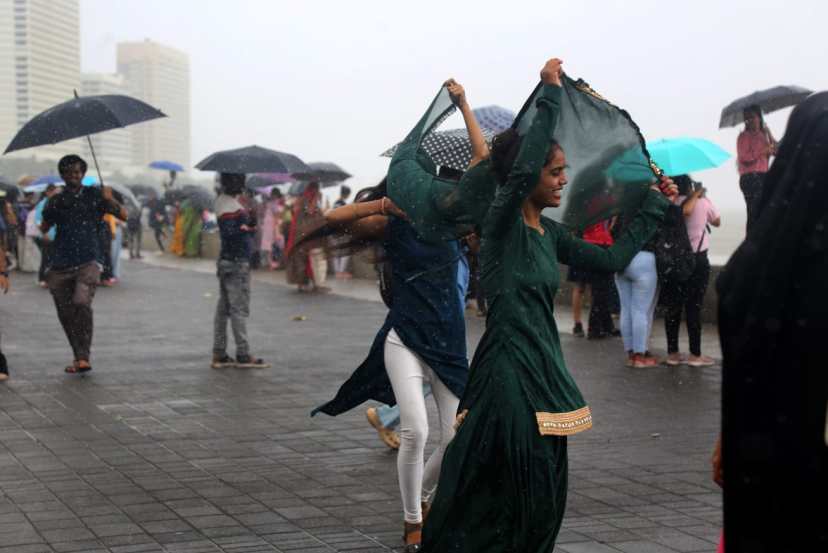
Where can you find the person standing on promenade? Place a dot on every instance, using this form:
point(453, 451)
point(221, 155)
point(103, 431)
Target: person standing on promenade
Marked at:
point(688, 296)
point(4, 286)
point(754, 147)
point(342, 262)
point(236, 229)
point(158, 220)
point(76, 257)
point(44, 241)
point(307, 264)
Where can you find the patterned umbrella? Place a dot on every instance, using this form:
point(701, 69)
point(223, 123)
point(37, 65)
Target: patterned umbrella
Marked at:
point(450, 148)
point(494, 118)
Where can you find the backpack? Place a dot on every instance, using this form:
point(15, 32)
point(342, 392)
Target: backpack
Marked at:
point(675, 257)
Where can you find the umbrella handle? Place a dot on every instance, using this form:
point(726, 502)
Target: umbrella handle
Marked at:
point(92, 149)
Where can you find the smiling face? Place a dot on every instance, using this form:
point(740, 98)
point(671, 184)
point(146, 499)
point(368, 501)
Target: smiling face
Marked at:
point(547, 192)
point(73, 175)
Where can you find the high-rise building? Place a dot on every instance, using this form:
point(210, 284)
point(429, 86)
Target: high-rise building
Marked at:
point(160, 76)
point(39, 64)
point(113, 148)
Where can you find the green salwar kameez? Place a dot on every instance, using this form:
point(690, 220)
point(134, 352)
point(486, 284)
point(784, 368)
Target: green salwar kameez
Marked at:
point(504, 476)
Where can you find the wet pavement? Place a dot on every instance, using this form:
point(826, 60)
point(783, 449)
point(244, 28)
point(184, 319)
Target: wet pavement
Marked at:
point(154, 451)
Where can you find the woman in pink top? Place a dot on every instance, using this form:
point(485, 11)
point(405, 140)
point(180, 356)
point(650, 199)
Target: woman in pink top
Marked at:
point(754, 147)
point(688, 296)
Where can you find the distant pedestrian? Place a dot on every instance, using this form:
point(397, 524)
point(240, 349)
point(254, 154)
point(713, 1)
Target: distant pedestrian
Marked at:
point(601, 284)
point(135, 231)
point(236, 229)
point(75, 265)
point(342, 263)
point(637, 287)
point(688, 296)
point(158, 221)
point(117, 228)
point(307, 264)
point(272, 241)
point(4, 286)
point(754, 147)
point(44, 241)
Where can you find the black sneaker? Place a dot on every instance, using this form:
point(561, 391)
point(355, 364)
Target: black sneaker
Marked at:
point(4, 368)
point(578, 330)
point(249, 362)
point(222, 362)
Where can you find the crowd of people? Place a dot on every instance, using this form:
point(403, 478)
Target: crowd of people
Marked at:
point(505, 417)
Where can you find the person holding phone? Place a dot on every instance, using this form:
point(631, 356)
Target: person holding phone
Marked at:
point(688, 296)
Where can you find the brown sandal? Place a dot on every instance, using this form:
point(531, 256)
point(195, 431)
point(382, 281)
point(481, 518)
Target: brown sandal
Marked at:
point(412, 536)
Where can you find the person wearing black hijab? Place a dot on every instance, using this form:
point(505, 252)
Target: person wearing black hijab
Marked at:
point(773, 302)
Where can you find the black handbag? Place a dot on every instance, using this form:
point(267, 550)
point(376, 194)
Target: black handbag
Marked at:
point(675, 257)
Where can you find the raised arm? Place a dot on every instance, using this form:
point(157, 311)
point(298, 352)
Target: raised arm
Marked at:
point(531, 156)
point(480, 150)
point(363, 219)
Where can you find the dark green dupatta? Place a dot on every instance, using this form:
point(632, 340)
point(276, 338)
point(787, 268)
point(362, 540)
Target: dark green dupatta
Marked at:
point(609, 174)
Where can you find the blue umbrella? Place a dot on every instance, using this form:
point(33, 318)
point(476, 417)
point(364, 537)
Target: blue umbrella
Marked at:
point(40, 188)
point(679, 156)
point(39, 185)
point(47, 179)
point(165, 165)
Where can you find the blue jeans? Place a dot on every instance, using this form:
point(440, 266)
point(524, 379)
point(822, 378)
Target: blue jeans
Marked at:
point(637, 287)
point(390, 416)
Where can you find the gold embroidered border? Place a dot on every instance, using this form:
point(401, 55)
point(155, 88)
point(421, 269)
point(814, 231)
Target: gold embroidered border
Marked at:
point(564, 424)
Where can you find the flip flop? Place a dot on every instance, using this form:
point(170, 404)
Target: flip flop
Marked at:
point(75, 369)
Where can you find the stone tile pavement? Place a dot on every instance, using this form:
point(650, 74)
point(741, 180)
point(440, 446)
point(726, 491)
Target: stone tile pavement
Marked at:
point(155, 452)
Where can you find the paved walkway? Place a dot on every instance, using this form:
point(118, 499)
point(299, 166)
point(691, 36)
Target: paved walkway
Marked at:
point(154, 451)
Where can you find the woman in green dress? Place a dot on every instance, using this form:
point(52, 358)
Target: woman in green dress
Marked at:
point(504, 476)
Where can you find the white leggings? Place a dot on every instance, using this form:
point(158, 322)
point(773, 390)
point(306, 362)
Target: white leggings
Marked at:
point(408, 372)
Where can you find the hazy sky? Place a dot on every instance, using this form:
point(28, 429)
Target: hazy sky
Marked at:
point(342, 81)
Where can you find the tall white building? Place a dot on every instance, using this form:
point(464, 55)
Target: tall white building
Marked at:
point(160, 76)
point(39, 64)
point(113, 148)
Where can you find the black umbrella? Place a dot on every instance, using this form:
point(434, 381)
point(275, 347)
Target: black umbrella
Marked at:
point(143, 190)
point(450, 148)
point(199, 197)
point(82, 117)
point(8, 190)
point(124, 196)
point(768, 100)
point(325, 172)
point(252, 159)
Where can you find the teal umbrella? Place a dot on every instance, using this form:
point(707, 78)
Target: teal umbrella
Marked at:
point(680, 156)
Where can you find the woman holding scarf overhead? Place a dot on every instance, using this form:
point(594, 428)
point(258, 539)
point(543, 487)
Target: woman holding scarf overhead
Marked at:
point(772, 325)
point(423, 340)
point(504, 476)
